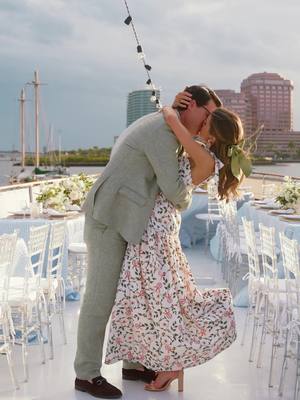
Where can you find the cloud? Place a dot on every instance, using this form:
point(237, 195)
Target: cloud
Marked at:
point(87, 55)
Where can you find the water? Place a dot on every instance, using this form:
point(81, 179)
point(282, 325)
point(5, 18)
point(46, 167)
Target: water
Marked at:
point(291, 169)
point(7, 169)
point(288, 169)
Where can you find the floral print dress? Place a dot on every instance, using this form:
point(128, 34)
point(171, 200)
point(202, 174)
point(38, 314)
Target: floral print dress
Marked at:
point(160, 317)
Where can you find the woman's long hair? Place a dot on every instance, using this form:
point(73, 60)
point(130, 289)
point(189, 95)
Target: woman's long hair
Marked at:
point(227, 129)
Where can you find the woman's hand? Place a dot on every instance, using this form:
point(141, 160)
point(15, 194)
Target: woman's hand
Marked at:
point(182, 99)
point(170, 115)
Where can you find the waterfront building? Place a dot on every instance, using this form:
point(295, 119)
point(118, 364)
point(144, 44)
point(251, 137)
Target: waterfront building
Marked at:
point(234, 101)
point(139, 104)
point(274, 142)
point(269, 102)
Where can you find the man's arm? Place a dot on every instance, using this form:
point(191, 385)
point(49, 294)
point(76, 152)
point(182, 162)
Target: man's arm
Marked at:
point(161, 149)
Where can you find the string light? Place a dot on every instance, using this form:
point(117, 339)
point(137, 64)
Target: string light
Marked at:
point(153, 97)
point(141, 55)
point(128, 20)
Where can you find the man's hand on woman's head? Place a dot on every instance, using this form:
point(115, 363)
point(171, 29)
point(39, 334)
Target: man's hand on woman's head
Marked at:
point(182, 99)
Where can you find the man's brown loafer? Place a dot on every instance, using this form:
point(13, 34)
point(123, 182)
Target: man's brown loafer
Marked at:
point(99, 388)
point(146, 376)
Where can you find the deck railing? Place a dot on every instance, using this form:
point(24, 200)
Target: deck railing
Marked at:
point(270, 176)
point(17, 196)
point(31, 185)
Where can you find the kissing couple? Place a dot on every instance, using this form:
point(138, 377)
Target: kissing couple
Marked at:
point(161, 323)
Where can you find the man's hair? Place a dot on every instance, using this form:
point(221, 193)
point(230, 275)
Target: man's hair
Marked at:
point(202, 95)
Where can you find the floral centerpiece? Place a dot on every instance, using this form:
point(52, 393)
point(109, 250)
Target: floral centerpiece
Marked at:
point(66, 195)
point(289, 195)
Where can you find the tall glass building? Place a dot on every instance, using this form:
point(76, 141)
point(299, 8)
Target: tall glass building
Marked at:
point(139, 104)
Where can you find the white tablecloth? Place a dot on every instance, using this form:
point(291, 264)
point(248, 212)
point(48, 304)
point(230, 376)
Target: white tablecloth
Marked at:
point(192, 230)
point(74, 233)
point(257, 215)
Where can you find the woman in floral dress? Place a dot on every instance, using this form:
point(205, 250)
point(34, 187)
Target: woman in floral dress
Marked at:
point(160, 317)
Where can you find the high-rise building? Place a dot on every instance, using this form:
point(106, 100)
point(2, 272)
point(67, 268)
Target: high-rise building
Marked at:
point(269, 102)
point(139, 104)
point(234, 101)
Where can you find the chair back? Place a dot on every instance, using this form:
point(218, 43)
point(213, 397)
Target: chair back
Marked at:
point(251, 245)
point(268, 190)
point(7, 251)
point(213, 201)
point(290, 258)
point(36, 248)
point(269, 259)
point(229, 213)
point(56, 248)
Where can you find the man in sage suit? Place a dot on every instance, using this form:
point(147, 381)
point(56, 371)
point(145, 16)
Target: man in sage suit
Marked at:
point(118, 207)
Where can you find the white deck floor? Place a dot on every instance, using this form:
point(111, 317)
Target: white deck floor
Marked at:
point(227, 376)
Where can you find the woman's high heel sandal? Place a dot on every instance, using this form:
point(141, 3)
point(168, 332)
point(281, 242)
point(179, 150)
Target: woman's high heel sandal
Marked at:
point(152, 388)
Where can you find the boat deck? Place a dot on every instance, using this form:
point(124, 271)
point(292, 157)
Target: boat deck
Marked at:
point(229, 376)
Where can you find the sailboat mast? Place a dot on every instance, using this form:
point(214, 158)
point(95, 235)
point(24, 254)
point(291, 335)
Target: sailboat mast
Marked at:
point(36, 84)
point(59, 150)
point(22, 126)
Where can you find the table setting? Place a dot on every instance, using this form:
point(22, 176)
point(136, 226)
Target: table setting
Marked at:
point(282, 211)
point(54, 202)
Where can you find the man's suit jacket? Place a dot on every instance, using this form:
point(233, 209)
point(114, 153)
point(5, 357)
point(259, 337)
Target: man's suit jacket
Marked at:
point(145, 161)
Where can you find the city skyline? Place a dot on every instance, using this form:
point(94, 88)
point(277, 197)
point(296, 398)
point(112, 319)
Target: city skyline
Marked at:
point(87, 57)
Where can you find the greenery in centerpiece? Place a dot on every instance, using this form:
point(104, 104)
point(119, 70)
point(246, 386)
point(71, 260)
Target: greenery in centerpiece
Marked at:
point(67, 194)
point(289, 195)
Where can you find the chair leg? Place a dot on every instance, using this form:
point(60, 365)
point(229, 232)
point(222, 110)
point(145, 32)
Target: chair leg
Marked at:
point(207, 236)
point(284, 366)
point(24, 328)
point(263, 333)
point(256, 318)
point(61, 304)
point(297, 383)
point(11, 368)
point(246, 323)
point(273, 353)
point(234, 277)
point(8, 353)
point(40, 330)
point(49, 329)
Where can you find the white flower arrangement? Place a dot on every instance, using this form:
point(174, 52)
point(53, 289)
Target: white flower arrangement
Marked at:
point(289, 195)
point(67, 194)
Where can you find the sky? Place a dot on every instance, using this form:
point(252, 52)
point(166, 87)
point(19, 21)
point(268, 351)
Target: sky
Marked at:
point(86, 56)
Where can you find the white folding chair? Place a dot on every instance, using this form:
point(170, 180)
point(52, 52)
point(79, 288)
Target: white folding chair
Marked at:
point(290, 256)
point(272, 288)
point(53, 285)
point(77, 265)
point(255, 284)
point(26, 297)
point(228, 232)
point(268, 190)
point(213, 213)
point(7, 251)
